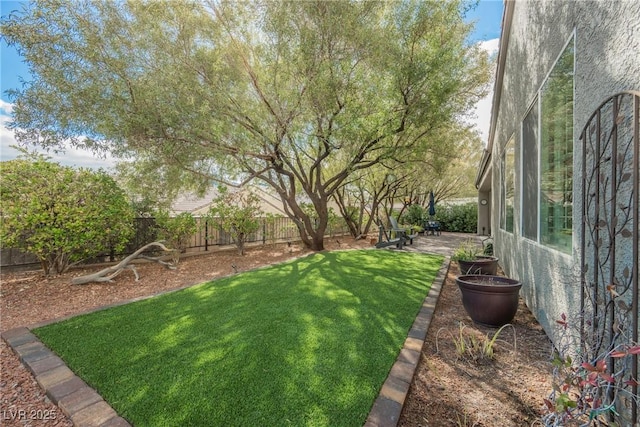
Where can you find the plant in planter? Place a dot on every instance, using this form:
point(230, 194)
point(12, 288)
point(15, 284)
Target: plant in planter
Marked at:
point(489, 300)
point(471, 259)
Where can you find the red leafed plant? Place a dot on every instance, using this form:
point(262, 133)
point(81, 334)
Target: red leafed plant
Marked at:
point(587, 393)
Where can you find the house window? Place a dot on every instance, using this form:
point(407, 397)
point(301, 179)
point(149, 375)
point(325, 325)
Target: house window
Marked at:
point(529, 207)
point(556, 154)
point(507, 192)
point(547, 159)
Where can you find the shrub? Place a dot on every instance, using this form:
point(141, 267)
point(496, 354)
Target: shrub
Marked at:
point(466, 251)
point(415, 215)
point(60, 214)
point(458, 218)
point(238, 214)
point(588, 391)
point(335, 223)
point(176, 230)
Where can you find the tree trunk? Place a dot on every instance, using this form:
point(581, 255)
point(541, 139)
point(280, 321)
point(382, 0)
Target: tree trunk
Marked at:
point(312, 238)
point(317, 242)
point(353, 226)
point(240, 243)
point(44, 263)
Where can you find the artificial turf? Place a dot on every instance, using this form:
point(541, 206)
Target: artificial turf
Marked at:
point(307, 342)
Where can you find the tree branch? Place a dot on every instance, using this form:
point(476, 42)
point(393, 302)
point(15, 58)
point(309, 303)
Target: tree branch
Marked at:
point(107, 274)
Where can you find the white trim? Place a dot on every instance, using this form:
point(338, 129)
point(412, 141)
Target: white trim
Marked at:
point(536, 100)
point(539, 152)
point(502, 184)
point(575, 242)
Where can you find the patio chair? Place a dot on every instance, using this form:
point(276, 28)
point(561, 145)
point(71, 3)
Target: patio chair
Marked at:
point(406, 232)
point(385, 239)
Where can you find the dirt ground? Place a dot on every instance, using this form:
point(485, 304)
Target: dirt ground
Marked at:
point(448, 389)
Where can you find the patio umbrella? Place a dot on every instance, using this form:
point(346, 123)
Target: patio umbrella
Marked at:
point(432, 204)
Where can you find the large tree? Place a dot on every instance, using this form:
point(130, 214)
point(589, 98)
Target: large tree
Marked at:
point(448, 175)
point(447, 168)
point(299, 95)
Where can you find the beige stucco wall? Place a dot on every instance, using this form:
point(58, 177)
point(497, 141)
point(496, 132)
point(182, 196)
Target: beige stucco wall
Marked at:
point(607, 61)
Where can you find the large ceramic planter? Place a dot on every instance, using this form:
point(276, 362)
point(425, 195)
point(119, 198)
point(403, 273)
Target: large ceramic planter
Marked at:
point(481, 265)
point(489, 300)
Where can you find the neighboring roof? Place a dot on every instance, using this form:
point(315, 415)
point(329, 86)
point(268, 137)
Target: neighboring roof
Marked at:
point(190, 202)
point(507, 17)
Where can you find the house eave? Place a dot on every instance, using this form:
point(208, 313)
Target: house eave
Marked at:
point(507, 18)
point(484, 184)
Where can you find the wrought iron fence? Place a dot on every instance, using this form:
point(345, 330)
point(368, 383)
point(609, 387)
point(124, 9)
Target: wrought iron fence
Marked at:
point(209, 234)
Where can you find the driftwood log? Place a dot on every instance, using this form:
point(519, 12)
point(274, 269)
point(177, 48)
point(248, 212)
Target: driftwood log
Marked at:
point(107, 274)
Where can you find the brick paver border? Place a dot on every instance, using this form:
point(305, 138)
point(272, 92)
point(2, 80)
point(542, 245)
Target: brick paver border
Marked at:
point(388, 406)
point(82, 404)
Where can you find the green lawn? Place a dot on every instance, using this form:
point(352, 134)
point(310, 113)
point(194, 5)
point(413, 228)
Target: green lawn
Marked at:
point(307, 342)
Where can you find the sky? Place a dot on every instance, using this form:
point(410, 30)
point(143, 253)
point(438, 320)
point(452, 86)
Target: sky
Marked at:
point(487, 17)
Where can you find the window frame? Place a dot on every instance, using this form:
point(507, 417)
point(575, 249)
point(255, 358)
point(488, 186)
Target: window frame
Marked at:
point(553, 153)
point(524, 222)
point(509, 148)
point(536, 104)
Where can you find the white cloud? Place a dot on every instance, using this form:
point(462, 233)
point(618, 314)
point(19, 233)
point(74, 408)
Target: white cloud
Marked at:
point(70, 157)
point(7, 138)
point(481, 115)
point(491, 46)
point(5, 107)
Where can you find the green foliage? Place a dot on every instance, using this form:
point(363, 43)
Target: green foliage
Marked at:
point(488, 249)
point(143, 207)
point(176, 230)
point(60, 214)
point(415, 215)
point(237, 212)
point(467, 251)
point(352, 212)
point(478, 349)
point(275, 346)
point(297, 95)
point(334, 221)
point(458, 218)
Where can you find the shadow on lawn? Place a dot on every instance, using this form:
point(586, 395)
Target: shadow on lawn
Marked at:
point(308, 340)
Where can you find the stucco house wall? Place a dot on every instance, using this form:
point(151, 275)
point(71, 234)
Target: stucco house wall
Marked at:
point(606, 36)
